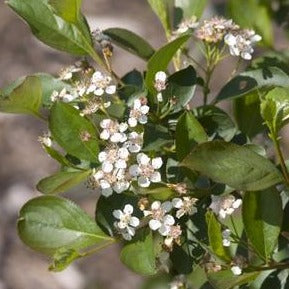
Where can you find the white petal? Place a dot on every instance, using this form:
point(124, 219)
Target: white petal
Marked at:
point(102, 156)
point(156, 205)
point(160, 97)
point(164, 230)
point(122, 224)
point(169, 220)
point(107, 192)
point(161, 76)
point(105, 135)
point(155, 224)
point(143, 159)
point(128, 209)
point(246, 56)
point(226, 243)
point(126, 236)
point(137, 104)
point(143, 182)
point(99, 92)
point(144, 109)
point(105, 123)
point(134, 221)
point(177, 203)
point(143, 119)
point(111, 89)
point(97, 76)
point(256, 38)
point(116, 137)
point(120, 164)
point(131, 231)
point(98, 175)
point(134, 148)
point(107, 167)
point(120, 187)
point(237, 203)
point(157, 163)
point(156, 177)
point(166, 206)
point(104, 184)
point(134, 170)
point(117, 214)
point(123, 153)
point(132, 122)
point(236, 270)
point(230, 39)
point(123, 127)
point(91, 89)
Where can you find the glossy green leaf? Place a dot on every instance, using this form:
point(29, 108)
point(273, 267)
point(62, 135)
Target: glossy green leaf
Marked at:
point(257, 17)
point(181, 88)
point(156, 191)
point(247, 114)
point(160, 8)
point(61, 182)
point(161, 59)
point(216, 122)
point(215, 237)
point(62, 258)
point(49, 223)
point(189, 132)
point(69, 10)
point(233, 165)
point(52, 29)
point(24, 99)
point(227, 280)
point(275, 109)
point(56, 155)
point(262, 225)
point(131, 42)
point(66, 126)
point(191, 7)
point(139, 254)
point(251, 80)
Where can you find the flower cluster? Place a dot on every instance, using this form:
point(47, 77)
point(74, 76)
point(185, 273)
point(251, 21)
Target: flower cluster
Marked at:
point(240, 41)
point(122, 160)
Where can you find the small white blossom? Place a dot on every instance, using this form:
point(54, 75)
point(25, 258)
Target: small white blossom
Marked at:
point(113, 131)
point(236, 270)
point(127, 223)
point(135, 142)
point(138, 113)
point(45, 140)
point(186, 25)
point(226, 238)
point(173, 235)
point(184, 206)
point(67, 73)
point(241, 43)
point(145, 170)
point(63, 95)
point(101, 84)
point(224, 205)
point(160, 84)
point(160, 220)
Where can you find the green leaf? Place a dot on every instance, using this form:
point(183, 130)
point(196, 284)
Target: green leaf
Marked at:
point(252, 80)
point(131, 42)
point(160, 8)
point(216, 122)
point(215, 237)
point(61, 182)
point(262, 216)
point(247, 114)
point(181, 87)
point(25, 98)
point(52, 29)
point(236, 166)
point(63, 258)
point(189, 132)
point(69, 10)
point(48, 223)
point(139, 254)
point(66, 126)
point(227, 280)
point(191, 7)
point(257, 17)
point(275, 109)
point(161, 59)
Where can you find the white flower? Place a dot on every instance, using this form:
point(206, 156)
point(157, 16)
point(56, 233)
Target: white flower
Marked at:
point(241, 43)
point(226, 238)
point(135, 142)
point(45, 140)
point(174, 235)
point(63, 95)
point(224, 205)
point(185, 206)
point(138, 113)
point(145, 170)
point(160, 82)
point(100, 84)
point(160, 220)
point(67, 73)
point(236, 270)
point(186, 25)
point(113, 131)
point(127, 223)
